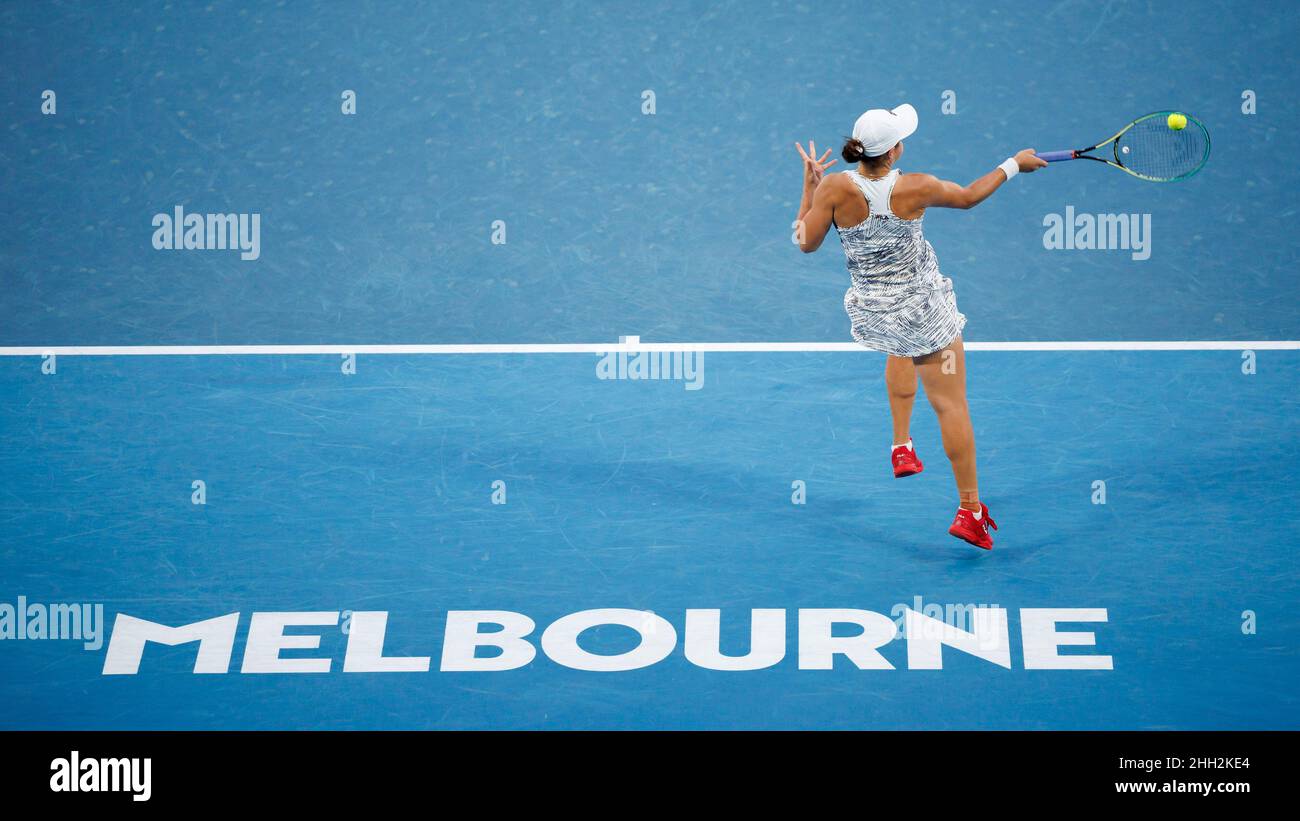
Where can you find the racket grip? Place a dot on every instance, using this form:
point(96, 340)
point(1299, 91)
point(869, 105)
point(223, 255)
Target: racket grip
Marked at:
point(1054, 156)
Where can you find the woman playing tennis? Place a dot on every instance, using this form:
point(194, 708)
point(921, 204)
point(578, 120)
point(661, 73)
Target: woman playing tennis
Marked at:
point(898, 302)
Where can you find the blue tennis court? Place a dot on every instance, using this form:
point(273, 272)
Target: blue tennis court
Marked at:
point(441, 517)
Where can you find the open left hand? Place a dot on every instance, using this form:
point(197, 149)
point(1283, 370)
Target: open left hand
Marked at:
point(813, 169)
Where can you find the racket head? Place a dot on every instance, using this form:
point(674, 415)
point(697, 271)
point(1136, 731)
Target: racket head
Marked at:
point(1149, 149)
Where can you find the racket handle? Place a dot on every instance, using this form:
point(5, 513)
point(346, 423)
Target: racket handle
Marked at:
point(1054, 156)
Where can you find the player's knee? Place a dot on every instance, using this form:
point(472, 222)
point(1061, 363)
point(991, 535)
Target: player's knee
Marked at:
point(945, 406)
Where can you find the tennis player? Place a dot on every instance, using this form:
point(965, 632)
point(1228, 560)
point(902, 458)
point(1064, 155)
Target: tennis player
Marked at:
point(898, 302)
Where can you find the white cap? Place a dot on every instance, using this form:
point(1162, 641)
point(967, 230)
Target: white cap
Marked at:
point(881, 129)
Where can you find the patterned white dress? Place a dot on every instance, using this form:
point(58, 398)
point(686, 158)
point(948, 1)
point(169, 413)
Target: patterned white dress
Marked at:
point(898, 303)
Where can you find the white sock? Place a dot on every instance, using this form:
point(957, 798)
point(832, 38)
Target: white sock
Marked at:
point(907, 444)
point(978, 514)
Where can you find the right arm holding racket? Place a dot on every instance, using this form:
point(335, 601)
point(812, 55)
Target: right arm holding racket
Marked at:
point(1163, 146)
point(937, 193)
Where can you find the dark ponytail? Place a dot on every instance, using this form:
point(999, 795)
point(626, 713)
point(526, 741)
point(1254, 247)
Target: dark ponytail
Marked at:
point(853, 151)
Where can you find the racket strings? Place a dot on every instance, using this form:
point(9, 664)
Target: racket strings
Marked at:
point(1154, 150)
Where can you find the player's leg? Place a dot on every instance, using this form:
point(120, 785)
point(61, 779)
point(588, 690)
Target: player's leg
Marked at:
point(943, 373)
point(900, 381)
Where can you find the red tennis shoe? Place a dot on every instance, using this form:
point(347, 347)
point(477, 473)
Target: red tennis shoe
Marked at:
point(905, 461)
point(975, 531)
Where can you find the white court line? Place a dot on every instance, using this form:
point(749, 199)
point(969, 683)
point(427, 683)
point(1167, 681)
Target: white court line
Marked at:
point(591, 348)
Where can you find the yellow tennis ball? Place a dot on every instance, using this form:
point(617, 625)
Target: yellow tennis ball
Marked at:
point(1177, 121)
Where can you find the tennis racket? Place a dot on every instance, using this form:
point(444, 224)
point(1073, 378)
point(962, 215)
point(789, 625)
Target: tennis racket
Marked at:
point(1150, 148)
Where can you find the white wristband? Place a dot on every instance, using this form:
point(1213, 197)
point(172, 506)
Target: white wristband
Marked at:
point(1010, 167)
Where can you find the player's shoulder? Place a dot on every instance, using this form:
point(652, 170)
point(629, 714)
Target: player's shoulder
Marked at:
point(835, 184)
point(917, 180)
point(917, 177)
point(840, 180)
